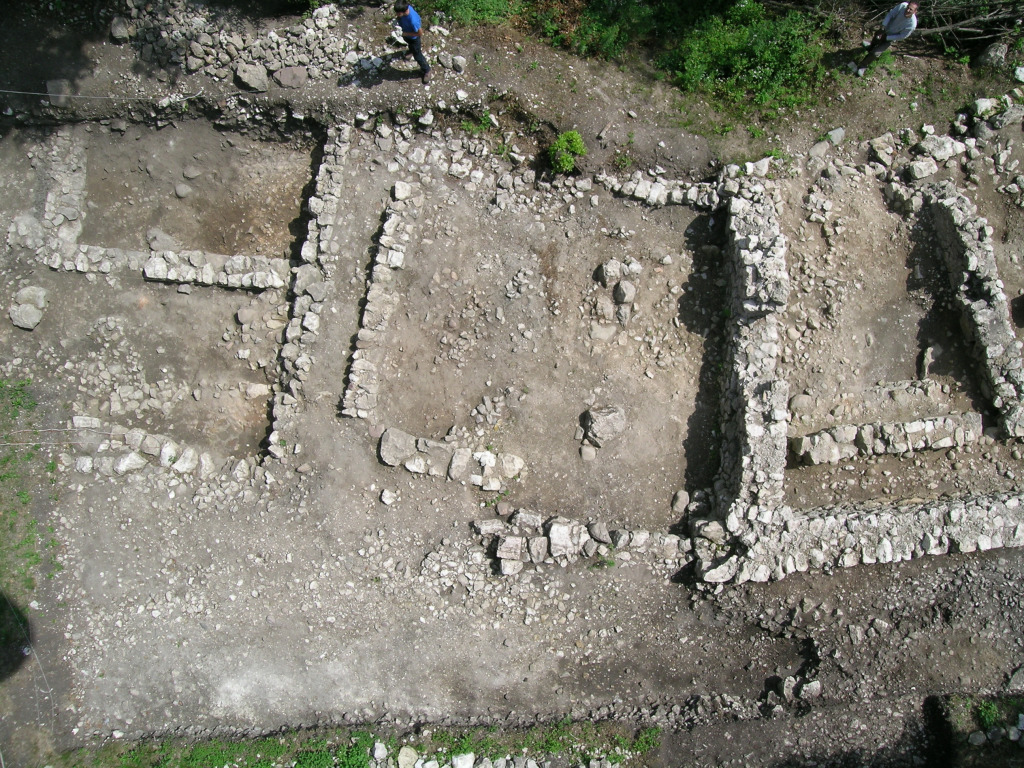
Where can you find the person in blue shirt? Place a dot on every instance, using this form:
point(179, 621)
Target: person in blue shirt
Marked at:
point(897, 25)
point(412, 31)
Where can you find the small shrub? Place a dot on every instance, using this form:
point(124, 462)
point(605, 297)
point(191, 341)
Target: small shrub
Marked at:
point(566, 148)
point(987, 714)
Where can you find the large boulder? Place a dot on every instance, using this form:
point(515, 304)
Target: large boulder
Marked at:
point(35, 295)
point(292, 77)
point(994, 56)
point(252, 77)
point(26, 316)
point(396, 446)
point(603, 423)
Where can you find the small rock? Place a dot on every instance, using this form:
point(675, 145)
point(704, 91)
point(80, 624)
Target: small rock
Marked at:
point(407, 757)
point(922, 169)
point(994, 56)
point(810, 690)
point(182, 190)
point(403, 190)
point(820, 149)
point(680, 501)
point(1016, 682)
point(120, 29)
point(624, 293)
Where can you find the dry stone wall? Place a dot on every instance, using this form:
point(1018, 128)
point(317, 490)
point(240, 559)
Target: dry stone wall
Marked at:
point(309, 282)
point(748, 534)
point(754, 412)
point(830, 446)
point(966, 243)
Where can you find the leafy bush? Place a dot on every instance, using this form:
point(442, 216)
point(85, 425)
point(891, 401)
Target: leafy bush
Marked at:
point(566, 148)
point(605, 29)
point(748, 55)
point(608, 27)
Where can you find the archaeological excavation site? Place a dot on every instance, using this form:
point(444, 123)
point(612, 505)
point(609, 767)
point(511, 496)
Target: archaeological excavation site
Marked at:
point(349, 414)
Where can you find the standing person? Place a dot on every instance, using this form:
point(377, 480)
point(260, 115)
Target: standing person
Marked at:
point(412, 31)
point(897, 25)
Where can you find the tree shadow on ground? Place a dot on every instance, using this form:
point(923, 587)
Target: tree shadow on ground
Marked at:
point(943, 350)
point(33, 52)
point(914, 746)
point(15, 637)
point(701, 312)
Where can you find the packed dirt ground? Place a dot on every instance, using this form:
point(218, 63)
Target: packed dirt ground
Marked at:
point(246, 595)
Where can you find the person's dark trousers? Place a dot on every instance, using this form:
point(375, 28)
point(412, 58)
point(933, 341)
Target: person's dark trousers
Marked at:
point(416, 49)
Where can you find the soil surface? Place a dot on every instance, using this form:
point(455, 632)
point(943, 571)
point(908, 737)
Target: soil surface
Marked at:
point(258, 597)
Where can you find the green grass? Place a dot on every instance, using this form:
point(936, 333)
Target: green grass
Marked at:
point(474, 11)
point(478, 126)
point(340, 748)
point(22, 543)
point(736, 52)
point(971, 713)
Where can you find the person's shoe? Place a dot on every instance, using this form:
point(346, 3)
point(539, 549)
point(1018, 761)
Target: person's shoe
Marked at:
point(426, 78)
point(861, 71)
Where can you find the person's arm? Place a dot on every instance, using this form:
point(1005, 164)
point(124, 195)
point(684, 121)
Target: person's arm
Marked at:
point(904, 33)
point(892, 14)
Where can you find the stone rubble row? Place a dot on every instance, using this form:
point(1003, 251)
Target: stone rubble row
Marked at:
point(111, 449)
point(309, 283)
point(842, 536)
point(527, 537)
point(482, 468)
point(835, 444)
point(54, 238)
point(199, 268)
point(363, 381)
